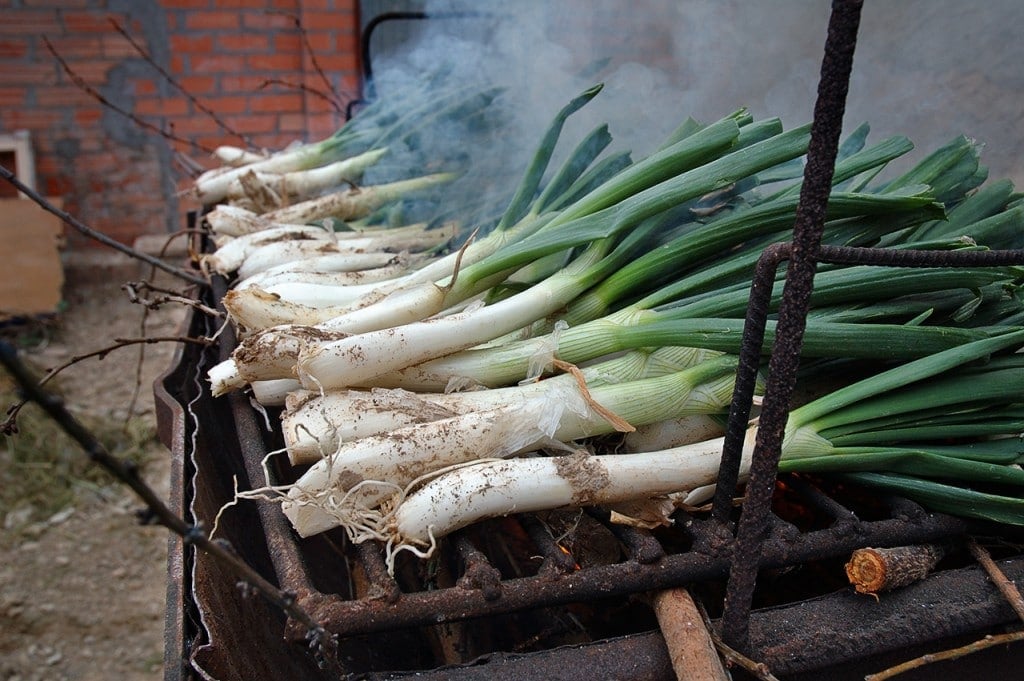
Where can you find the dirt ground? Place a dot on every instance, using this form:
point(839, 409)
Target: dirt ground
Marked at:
point(82, 591)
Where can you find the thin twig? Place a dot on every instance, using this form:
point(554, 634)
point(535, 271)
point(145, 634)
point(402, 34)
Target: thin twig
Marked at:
point(304, 88)
point(98, 236)
point(177, 86)
point(987, 642)
point(136, 289)
point(312, 55)
point(98, 96)
point(1002, 582)
point(757, 669)
point(156, 511)
point(9, 426)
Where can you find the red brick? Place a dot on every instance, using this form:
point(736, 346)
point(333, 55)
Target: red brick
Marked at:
point(144, 87)
point(72, 47)
point(292, 122)
point(93, 72)
point(118, 46)
point(255, 5)
point(87, 117)
point(287, 42)
point(241, 83)
point(191, 43)
point(338, 20)
point(277, 103)
point(28, 74)
point(321, 41)
point(63, 96)
point(185, 4)
point(32, 120)
point(30, 22)
point(57, 4)
point(338, 63)
point(262, 63)
point(218, 63)
point(211, 20)
point(252, 124)
point(194, 125)
point(265, 20)
point(197, 85)
point(247, 42)
point(87, 22)
point(13, 49)
point(227, 105)
point(56, 185)
point(12, 96)
point(161, 107)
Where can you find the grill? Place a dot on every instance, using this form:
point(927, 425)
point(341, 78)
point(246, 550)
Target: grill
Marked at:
point(568, 595)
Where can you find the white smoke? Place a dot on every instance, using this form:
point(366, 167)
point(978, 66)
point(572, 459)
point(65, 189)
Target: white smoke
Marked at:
point(927, 69)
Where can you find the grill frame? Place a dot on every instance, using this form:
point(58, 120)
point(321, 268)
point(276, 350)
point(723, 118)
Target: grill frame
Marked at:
point(764, 541)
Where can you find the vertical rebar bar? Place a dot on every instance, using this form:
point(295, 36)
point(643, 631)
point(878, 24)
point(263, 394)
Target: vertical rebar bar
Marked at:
point(807, 232)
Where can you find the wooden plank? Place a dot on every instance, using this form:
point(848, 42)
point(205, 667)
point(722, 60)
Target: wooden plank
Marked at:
point(33, 276)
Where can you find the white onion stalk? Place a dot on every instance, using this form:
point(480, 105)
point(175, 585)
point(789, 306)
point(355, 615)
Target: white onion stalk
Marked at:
point(491, 489)
point(262, 357)
point(274, 393)
point(350, 204)
point(235, 221)
point(363, 473)
point(254, 309)
point(211, 187)
point(330, 263)
point(349, 483)
point(403, 239)
point(385, 347)
point(227, 220)
point(229, 256)
point(284, 274)
point(237, 157)
point(313, 423)
point(302, 184)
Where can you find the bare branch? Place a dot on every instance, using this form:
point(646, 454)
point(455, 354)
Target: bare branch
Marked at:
point(1002, 582)
point(177, 86)
point(98, 236)
point(136, 291)
point(9, 426)
point(98, 96)
point(312, 55)
point(304, 88)
point(156, 511)
point(987, 642)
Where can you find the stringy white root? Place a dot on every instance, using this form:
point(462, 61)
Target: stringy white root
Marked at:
point(401, 456)
point(496, 488)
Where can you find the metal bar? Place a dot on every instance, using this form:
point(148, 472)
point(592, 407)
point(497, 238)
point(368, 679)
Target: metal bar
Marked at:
point(348, 618)
point(839, 636)
point(807, 231)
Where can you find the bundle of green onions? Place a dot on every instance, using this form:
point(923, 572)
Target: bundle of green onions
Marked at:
point(421, 390)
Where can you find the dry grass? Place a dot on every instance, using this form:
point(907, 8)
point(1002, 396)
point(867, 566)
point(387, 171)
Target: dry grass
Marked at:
point(43, 471)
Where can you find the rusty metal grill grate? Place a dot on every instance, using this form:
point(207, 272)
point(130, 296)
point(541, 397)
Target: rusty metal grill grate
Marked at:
point(526, 607)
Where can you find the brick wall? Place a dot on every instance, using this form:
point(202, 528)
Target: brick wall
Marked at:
point(244, 60)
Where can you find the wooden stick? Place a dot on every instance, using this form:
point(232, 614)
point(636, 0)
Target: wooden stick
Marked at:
point(875, 570)
point(690, 647)
point(1002, 582)
point(984, 643)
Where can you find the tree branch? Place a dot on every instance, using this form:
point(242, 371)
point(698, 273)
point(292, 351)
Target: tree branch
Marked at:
point(157, 512)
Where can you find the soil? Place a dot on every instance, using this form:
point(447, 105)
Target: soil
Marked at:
point(82, 591)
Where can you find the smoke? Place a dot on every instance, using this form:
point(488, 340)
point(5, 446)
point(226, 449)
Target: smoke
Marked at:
point(927, 69)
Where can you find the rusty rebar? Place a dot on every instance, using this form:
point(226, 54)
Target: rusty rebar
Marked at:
point(807, 233)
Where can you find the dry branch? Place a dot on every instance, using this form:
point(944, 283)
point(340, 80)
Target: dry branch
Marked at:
point(156, 511)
